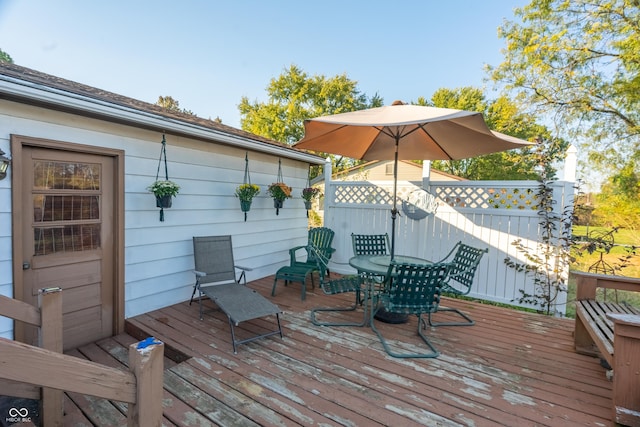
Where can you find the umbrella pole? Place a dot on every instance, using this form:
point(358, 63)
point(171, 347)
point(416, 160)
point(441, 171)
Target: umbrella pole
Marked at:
point(394, 210)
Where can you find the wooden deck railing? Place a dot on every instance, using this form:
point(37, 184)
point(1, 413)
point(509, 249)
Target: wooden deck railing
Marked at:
point(611, 331)
point(26, 369)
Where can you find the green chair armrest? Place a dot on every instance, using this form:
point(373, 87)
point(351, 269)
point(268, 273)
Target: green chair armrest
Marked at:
point(292, 253)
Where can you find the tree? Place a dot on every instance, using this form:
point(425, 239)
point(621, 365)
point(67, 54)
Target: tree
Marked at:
point(168, 103)
point(578, 61)
point(618, 203)
point(295, 96)
point(5, 57)
point(503, 116)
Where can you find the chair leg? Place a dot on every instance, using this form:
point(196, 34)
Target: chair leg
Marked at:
point(316, 322)
point(195, 287)
point(468, 320)
point(200, 306)
point(421, 322)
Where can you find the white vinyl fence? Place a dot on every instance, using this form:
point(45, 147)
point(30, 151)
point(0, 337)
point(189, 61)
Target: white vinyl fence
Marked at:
point(484, 214)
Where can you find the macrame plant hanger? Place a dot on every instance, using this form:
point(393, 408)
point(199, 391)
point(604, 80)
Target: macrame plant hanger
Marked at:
point(247, 177)
point(163, 155)
point(279, 179)
point(309, 185)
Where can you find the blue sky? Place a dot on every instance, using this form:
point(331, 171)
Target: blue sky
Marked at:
point(208, 54)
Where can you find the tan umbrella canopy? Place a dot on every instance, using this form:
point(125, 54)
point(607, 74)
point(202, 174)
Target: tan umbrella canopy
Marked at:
point(419, 133)
point(405, 132)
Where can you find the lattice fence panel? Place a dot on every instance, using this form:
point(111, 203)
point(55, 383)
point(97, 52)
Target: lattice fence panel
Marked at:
point(372, 194)
point(498, 197)
point(474, 197)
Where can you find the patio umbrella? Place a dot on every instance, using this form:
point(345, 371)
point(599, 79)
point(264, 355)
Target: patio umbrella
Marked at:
point(405, 132)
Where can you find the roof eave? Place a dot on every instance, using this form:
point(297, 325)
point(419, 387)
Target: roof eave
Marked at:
point(37, 93)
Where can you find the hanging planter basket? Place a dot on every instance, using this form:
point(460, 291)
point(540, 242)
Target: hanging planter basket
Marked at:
point(279, 191)
point(163, 189)
point(309, 193)
point(246, 191)
point(245, 206)
point(163, 201)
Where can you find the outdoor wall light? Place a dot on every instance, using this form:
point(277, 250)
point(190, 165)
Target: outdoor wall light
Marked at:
point(4, 165)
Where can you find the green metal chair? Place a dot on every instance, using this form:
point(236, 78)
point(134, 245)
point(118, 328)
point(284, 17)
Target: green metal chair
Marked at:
point(321, 239)
point(344, 284)
point(413, 289)
point(370, 244)
point(464, 263)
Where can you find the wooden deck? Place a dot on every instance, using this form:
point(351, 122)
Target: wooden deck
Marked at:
point(510, 369)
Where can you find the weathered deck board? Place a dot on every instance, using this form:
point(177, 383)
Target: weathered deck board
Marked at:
point(511, 368)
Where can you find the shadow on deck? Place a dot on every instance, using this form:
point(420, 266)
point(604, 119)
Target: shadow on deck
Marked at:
point(511, 368)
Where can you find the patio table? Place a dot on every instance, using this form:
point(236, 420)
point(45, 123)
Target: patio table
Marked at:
point(378, 265)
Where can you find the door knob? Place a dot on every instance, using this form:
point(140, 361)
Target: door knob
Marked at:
point(26, 265)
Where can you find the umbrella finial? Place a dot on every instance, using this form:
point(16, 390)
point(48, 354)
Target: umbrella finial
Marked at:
point(397, 102)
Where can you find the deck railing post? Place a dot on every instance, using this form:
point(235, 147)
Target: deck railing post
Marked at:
point(146, 362)
point(50, 338)
point(626, 369)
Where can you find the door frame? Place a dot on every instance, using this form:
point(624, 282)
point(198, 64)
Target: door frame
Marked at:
point(18, 192)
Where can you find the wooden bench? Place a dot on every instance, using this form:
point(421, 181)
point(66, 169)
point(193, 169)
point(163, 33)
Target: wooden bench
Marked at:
point(611, 331)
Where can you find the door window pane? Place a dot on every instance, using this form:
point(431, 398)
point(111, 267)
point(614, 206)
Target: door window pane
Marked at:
point(66, 207)
point(68, 238)
point(49, 175)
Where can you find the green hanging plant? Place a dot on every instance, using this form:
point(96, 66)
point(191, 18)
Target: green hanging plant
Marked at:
point(246, 192)
point(279, 191)
point(310, 193)
point(164, 188)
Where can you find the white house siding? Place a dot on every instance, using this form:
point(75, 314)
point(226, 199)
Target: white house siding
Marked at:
point(159, 255)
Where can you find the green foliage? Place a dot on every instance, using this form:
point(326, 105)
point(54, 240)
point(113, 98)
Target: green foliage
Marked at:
point(246, 192)
point(5, 57)
point(315, 220)
point(310, 193)
point(578, 62)
point(622, 236)
point(627, 181)
point(279, 191)
point(295, 96)
point(623, 260)
point(163, 188)
point(618, 203)
point(503, 116)
point(168, 103)
point(615, 210)
point(612, 257)
point(548, 262)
